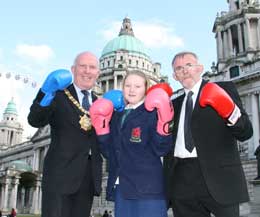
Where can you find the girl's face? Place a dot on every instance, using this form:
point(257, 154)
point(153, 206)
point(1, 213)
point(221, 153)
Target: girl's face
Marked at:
point(134, 89)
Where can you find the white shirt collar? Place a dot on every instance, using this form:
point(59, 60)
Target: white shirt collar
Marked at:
point(134, 106)
point(78, 90)
point(81, 95)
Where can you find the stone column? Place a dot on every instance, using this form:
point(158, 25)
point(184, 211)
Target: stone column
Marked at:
point(230, 43)
point(35, 204)
point(225, 48)
point(240, 41)
point(248, 33)
point(258, 33)
point(255, 122)
point(115, 81)
point(45, 150)
point(246, 36)
point(219, 45)
point(5, 199)
point(107, 85)
point(2, 196)
point(22, 198)
point(8, 137)
point(36, 156)
point(40, 198)
point(14, 192)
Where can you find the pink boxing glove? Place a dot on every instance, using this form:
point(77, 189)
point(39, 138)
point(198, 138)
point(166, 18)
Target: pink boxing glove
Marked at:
point(100, 114)
point(216, 97)
point(159, 99)
point(165, 86)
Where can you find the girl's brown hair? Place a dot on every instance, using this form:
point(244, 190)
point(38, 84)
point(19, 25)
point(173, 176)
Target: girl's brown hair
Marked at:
point(138, 73)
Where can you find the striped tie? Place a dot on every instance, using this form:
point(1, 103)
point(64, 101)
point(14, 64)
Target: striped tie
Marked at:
point(85, 101)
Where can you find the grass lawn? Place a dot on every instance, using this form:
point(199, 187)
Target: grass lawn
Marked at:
point(27, 215)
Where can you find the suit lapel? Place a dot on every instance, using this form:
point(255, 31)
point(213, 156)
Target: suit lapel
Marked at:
point(197, 107)
point(93, 96)
point(177, 104)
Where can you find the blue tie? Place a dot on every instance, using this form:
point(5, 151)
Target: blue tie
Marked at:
point(85, 101)
point(189, 145)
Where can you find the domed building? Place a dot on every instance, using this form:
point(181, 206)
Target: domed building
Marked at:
point(126, 53)
point(10, 129)
point(20, 168)
point(21, 163)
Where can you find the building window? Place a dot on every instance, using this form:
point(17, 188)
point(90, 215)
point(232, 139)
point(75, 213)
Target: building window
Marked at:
point(137, 62)
point(130, 62)
point(234, 71)
point(237, 4)
point(120, 66)
point(143, 64)
point(103, 65)
point(108, 63)
point(121, 58)
point(154, 70)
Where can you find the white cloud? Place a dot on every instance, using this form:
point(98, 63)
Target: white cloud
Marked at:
point(154, 34)
point(37, 53)
point(157, 35)
point(112, 31)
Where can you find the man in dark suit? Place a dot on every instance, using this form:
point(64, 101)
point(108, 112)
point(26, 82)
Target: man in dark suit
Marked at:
point(203, 172)
point(72, 167)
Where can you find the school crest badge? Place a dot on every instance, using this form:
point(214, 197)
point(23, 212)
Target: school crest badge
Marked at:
point(136, 135)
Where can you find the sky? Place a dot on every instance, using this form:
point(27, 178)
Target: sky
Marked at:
point(37, 37)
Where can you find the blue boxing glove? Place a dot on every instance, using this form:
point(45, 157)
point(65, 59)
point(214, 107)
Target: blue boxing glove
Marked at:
point(117, 98)
point(56, 80)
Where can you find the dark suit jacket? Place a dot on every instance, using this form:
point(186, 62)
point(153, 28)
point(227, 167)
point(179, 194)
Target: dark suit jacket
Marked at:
point(217, 150)
point(67, 157)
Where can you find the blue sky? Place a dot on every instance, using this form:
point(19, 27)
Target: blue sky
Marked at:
point(38, 37)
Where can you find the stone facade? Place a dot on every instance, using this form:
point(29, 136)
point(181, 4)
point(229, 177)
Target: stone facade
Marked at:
point(238, 48)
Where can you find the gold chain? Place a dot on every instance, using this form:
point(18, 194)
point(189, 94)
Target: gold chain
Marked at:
point(75, 102)
point(84, 120)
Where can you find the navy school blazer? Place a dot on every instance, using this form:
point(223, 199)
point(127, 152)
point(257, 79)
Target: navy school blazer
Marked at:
point(134, 151)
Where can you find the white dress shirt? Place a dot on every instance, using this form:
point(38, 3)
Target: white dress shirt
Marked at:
point(81, 95)
point(180, 150)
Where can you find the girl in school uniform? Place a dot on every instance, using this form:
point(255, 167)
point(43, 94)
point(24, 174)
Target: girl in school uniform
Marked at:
point(133, 143)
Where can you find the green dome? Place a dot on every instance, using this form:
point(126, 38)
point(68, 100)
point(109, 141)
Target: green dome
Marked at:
point(11, 108)
point(125, 42)
point(20, 165)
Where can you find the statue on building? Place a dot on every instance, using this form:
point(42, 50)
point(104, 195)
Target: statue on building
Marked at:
point(257, 154)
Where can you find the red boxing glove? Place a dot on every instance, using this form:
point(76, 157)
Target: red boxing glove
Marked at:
point(100, 114)
point(165, 86)
point(216, 97)
point(159, 99)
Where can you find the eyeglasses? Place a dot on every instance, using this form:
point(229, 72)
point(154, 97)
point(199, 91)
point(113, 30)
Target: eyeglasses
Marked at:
point(180, 69)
